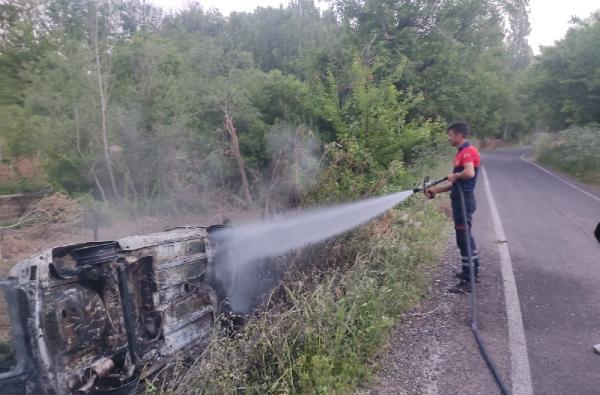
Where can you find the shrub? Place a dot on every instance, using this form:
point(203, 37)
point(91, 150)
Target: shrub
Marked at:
point(575, 151)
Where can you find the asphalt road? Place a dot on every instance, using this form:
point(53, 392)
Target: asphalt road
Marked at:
point(549, 228)
point(549, 252)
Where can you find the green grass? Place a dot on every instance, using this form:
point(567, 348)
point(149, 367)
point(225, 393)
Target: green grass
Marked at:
point(575, 152)
point(22, 186)
point(325, 323)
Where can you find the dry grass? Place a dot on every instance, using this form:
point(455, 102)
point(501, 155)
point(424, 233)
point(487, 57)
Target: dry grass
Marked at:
point(329, 316)
point(56, 221)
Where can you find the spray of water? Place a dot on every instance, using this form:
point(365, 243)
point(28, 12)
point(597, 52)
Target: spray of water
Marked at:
point(250, 243)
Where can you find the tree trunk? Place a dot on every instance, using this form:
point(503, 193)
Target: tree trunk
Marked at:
point(230, 127)
point(101, 89)
point(99, 185)
point(77, 128)
point(274, 177)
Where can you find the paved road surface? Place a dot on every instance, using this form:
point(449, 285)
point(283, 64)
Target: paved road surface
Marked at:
point(556, 261)
point(548, 227)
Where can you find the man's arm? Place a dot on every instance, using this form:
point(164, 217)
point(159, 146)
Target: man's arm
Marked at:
point(467, 173)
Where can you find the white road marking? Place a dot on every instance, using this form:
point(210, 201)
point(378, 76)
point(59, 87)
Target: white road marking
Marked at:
point(596, 198)
point(519, 360)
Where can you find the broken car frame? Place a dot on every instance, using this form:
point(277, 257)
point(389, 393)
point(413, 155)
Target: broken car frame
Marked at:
point(97, 317)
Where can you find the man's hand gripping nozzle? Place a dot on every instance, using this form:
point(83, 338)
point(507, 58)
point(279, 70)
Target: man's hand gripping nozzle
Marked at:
point(427, 184)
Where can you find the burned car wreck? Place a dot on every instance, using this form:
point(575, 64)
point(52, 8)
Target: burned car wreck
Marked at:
point(97, 317)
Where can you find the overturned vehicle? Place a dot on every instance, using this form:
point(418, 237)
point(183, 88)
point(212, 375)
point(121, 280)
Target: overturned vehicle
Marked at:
point(97, 317)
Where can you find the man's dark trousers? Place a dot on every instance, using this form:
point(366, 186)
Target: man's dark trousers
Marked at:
point(460, 225)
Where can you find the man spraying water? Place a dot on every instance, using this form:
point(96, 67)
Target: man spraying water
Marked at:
point(464, 175)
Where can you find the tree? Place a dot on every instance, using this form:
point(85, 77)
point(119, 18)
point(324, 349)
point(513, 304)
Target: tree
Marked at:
point(103, 89)
point(459, 55)
point(373, 114)
point(519, 29)
point(564, 81)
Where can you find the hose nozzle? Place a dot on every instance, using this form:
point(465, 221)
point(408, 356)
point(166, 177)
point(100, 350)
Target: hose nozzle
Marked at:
point(427, 184)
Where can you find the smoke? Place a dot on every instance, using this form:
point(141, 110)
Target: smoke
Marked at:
point(244, 248)
point(294, 165)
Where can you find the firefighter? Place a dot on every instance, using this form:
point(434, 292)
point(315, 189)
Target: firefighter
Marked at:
point(465, 172)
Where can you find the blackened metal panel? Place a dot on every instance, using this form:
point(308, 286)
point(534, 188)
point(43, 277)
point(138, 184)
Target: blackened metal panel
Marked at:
point(22, 378)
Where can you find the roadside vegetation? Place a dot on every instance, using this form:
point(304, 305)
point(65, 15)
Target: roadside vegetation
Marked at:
point(563, 90)
point(575, 152)
point(335, 306)
point(324, 324)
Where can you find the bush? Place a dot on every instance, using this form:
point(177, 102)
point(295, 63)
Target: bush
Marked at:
point(575, 151)
point(22, 185)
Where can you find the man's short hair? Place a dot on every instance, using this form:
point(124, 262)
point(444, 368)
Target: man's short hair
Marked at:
point(460, 127)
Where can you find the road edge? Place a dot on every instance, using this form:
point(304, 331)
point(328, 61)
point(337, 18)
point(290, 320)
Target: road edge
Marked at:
point(588, 194)
point(519, 359)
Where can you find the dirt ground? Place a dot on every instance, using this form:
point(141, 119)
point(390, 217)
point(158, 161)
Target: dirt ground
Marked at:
point(16, 245)
point(433, 351)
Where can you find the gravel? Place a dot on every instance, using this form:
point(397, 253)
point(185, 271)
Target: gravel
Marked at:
point(432, 350)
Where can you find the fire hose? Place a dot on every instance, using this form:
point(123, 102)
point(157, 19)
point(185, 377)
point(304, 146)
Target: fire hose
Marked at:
point(473, 323)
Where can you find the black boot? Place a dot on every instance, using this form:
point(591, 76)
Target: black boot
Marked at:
point(466, 277)
point(463, 287)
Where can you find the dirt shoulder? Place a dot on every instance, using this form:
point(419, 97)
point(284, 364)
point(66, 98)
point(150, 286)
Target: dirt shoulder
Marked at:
point(18, 244)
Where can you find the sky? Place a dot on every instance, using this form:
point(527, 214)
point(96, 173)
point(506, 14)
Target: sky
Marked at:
point(225, 6)
point(549, 18)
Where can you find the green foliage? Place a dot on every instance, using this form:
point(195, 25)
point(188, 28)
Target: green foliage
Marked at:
point(374, 138)
point(455, 54)
point(22, 185)
point(376, 77)
point(280, 98)
point(564, 82)
point(289, 39)
point(373, 114)
point(575, 151)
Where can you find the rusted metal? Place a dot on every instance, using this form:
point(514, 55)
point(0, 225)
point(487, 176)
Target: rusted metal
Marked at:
point(88, 318)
